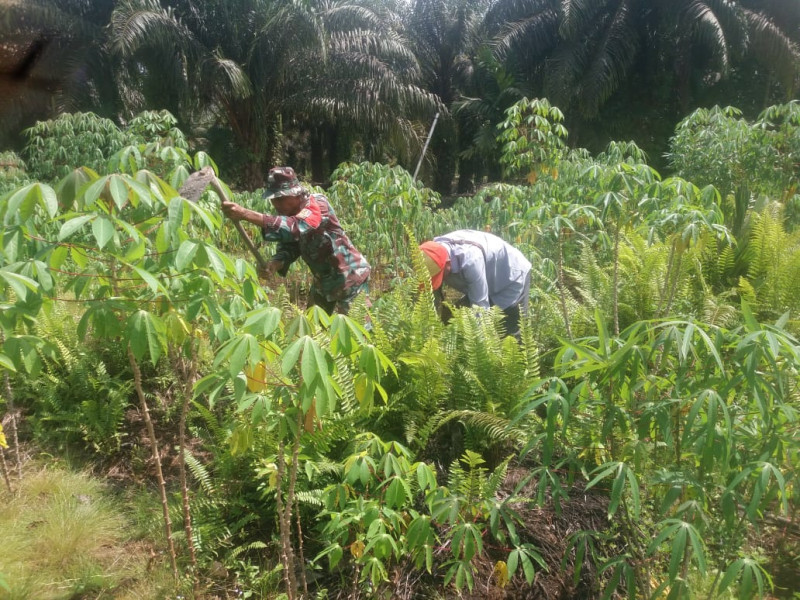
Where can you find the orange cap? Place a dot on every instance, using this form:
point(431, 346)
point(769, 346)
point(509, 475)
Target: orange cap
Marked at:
point(435, 255)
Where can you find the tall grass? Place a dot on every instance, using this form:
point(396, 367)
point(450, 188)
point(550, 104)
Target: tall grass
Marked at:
point(62, 536)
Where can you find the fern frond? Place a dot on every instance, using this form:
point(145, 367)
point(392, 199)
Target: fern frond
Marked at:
point(218, 433)
point(257, 545)
point(200, 473)
point(344, 377)
point(310, 498)
point(497, 428)
point(497, 477)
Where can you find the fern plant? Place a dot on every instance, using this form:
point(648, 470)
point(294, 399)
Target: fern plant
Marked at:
point(77, 403)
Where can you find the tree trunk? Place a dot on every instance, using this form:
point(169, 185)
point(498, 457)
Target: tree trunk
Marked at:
point(162, 486)
point(303, 578)
point(444, 147)
point(467, 169)
point(255, 137)
point(334, 153)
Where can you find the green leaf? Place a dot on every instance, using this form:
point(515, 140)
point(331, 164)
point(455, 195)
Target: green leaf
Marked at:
point(512, 562)
point(135, 251)
point(103, 230)
point(7, 363)
point(93, 191)
point(678, 552)
point(19, 283)
point(20, 204)
point(146, 333)
point(313, 363)
point(527, 567)
point(291, 355)
point(185, 254)
point(118, 189)
point(216, 260)
point(241, 350)
point(263, 321)
point(426, 478)
point(419, 532)
point(749, 319)
point(149, 279)
point(397, 492)
point(47, 199)
point(73, 225)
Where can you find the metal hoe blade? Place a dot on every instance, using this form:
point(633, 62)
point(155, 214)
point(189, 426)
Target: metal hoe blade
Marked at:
point(196, 184)
point(193, 188)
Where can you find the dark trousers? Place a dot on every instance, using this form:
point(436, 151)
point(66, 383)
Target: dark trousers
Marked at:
point(342, 305)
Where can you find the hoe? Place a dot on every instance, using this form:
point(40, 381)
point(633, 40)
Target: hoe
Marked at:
point(193, 188)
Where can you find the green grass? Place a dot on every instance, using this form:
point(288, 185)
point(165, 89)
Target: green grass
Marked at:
point(62, 535)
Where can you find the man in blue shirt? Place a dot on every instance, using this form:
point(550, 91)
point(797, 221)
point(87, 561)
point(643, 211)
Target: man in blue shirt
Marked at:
point(487, 270)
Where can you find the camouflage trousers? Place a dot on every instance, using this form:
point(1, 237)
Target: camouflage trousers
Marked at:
point(342, 305)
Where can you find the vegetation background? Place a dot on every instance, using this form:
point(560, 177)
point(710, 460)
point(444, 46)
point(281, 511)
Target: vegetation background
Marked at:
point(172, 426)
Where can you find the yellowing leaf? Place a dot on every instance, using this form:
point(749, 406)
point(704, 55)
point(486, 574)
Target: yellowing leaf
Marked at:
point(532, 177)
point(256, 377)
point(501, 574)
point(357, 549)
point(364, 389)
point(3, 442)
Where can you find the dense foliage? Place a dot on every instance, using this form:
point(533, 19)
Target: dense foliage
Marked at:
point(387, 453)
point(314, 84)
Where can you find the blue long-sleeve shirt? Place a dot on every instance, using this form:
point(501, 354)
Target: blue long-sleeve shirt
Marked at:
point(489, 271)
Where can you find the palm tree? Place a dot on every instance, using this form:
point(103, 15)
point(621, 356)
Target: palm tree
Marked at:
point(265, 71)
point(580, 52)
point(356, 83)
point(446, 35)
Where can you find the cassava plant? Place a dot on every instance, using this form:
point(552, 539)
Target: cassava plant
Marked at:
point(24, 285)
point(145, 270)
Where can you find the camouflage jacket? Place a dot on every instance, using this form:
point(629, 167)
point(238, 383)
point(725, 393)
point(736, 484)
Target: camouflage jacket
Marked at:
point(315, 234)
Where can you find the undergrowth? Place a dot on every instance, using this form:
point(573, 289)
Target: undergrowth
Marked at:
point(63, 535)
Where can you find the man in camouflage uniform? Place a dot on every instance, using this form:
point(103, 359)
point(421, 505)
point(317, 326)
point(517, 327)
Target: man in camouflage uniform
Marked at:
point(307, 226)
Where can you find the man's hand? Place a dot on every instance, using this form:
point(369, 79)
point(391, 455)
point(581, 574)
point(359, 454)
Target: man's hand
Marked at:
point(236, 212)
point(273, 266)
point(233, 211)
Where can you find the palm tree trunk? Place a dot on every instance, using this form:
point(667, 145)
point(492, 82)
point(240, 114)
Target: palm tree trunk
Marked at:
point(444, 148)
point(334, 152)
point(255, 135)
point(162, 486)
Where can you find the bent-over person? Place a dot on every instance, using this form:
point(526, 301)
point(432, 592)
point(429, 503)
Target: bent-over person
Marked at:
point(306, 226)
point(483, 267)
